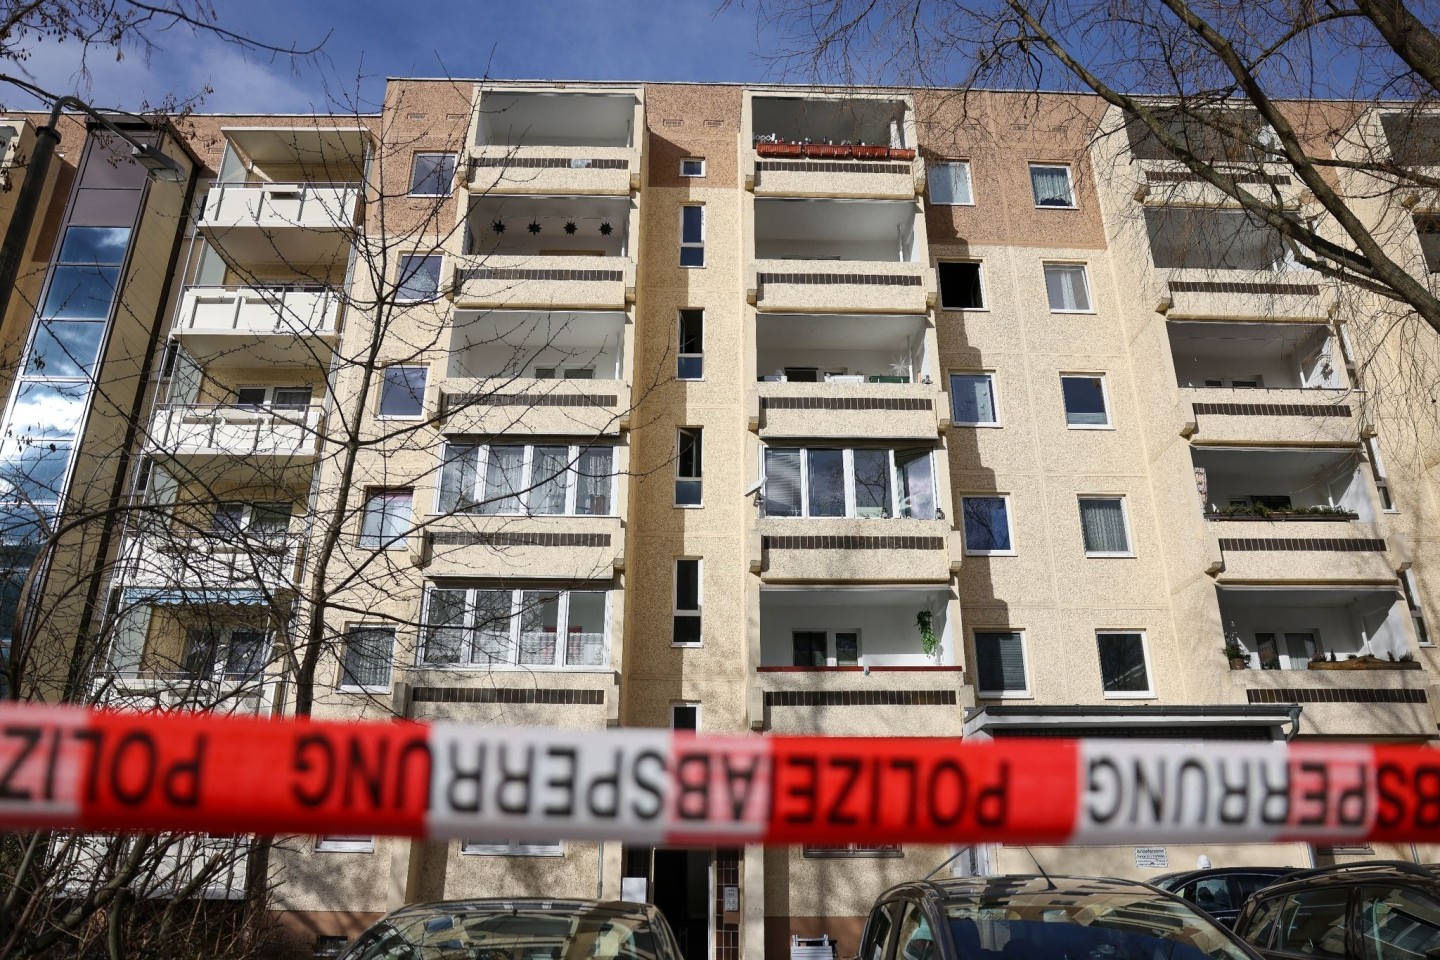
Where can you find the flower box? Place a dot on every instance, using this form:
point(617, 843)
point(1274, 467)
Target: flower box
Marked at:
point(827, 151)
point(871, 153)
point(1365, 663)
point(901, 153)
point(778, 149)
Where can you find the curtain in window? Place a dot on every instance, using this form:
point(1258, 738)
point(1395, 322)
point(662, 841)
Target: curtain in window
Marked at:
point(1103, 523)
point(202, 651)
point(1065, 286)
point(445, 626)
point(492, 627)
point(585, 629)
point(987, 526)
point(872, 483)
point(827, 482)
point(973, 397)
point(1000, 662)
point(592, 494)
point(547, 479)
point(782, 482)
point(913, 470)
point(950, 183)
point(457, 478)
point(539, 627)
point(386, 518)
point(1052, 186)
point(504, 470)
point(368, 652)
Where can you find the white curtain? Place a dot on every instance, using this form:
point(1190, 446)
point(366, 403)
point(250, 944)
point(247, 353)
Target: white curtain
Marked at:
point(974, 398)
point(444, 626)
point(1103, 523)
point(503, 480)
point(1052, 186)
point(457, 477)
point(950, 183)
point(592, 496)
point(547, 479)
point(1065, 286)
point(782, 482)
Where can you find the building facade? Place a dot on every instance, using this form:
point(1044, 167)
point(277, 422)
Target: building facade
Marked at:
point(863, 411)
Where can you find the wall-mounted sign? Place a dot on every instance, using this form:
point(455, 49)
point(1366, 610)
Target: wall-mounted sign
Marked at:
point(1151, 857)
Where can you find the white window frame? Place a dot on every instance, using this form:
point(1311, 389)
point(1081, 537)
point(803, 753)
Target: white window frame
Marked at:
point(512, 848)
point(415, 159)
point(700, 433)
point(969, 176)
point(345, 687)
point(400, 542)
point(832, 655)
point(468, 659)
point(268, 404)
point(699, 612)
point(527, 485)
point(679, 343)
point(1411, 594)
point(704, 233)
point(400, 276)
point(994, 397)
point(1045, 265)
point(1149, 692)
point(1009, 524)
point(688, 705)
point(984, 291)
point(852, 851)
point(1124, 518)
point(325, 844)
point(1069, 183)
point(380, 394)
point(685, 160)
point(847, 460)
point(1109, 423)
point(1029, 692)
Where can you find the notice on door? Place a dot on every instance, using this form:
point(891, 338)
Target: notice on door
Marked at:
point(1154, 857)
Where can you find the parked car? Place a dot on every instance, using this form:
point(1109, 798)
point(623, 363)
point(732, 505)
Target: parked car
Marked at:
point(524, 929)
point(1041, 918)
point(1220, 891)
point(1377, 910)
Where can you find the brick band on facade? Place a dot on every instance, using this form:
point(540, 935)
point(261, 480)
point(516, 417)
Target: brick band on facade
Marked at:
point(505, 539)
point(1304, 544)
point(845, 403)
point(853, 543)
point(468, 274)
point(820, 166)
point(1338, 695)
point(451, 401)
point(506, 695)
point(550, 163)
point(1272, 409)
point(1216, 286)
point(860, 698)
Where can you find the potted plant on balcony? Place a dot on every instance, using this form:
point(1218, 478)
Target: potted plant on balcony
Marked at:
point(1234, 651)
point(929, 643)
point(1368, 661)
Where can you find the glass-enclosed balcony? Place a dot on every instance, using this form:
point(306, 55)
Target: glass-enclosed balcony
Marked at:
point(1281, 629)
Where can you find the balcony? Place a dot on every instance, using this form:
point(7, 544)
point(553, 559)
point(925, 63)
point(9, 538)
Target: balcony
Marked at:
point(837, 375)
point(234, 430)
point(293, 223)
point(249, 326)
point(546, 253)
point(556, 142)
point(1263, 382)
point(839, 256)
point(207, 570)
point(807, 146)
point(567, 547)
point(1292, 514)
point(896, 550)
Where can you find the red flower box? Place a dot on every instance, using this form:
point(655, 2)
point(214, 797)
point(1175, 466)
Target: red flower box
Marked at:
point(902, 153)
point(871, 153)
point(778, 149)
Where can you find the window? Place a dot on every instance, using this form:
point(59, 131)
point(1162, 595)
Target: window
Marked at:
point(564, 373)
point(689, 450)
point(868, 482)
point(825, 648)
point(1104, 526)
point(692, 167)
point(1067, 287)
point(216, 652)
point(432, 175)
point(1084, 396)
point(514, 848)
point(488, 626)
point(687, 603)
point(1124, 664)
point(972, 400)
point(402, 391)
point(1428, 228)
point(418, 278)
point(268, 522)
point(1210, 894)
point(526, 479)
point(987, 525)
point(1397, 922)
point(877, 929)
point(960, 285)
point(368, 654)
point(853, 850)
point(1313, 923)
point(1052, 186)
point(1412, 601)
point(950, 183)
point(690, 360)
point(685, 716)
point(1000, 664)
point(1377, 470)
point(345, 843)
point(385, 520)
point(273, 398)
point(692, 235)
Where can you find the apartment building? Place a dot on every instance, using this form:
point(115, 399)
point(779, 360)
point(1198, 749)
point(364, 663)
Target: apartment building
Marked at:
point(852, 411)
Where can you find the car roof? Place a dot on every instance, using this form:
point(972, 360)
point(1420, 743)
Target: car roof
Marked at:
point(1351, 873)
point(615, 908)
point(1199, 873)
point(959, 888)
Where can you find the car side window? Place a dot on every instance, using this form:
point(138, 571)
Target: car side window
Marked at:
point(1313, 923)
point(1259, 928)
point(1210, 894)
point(1396, 923)
point(384, 944)
point(915, 941)
point(1247, 883)
point(877, 931)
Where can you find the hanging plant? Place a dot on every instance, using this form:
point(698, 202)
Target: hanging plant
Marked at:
point(534, 226)
point(570, 226)
point(498, 226)
point(605, 229)
point(929, 643)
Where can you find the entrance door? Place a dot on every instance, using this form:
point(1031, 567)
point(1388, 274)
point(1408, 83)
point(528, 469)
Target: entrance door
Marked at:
point(680, 887)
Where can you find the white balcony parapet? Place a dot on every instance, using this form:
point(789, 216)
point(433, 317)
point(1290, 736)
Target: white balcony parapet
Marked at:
point(220, 568)
point(313, 206)
point(259, 311)
point(235, 430)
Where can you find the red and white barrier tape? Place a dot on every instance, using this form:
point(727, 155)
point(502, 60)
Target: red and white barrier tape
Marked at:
point(97, 770)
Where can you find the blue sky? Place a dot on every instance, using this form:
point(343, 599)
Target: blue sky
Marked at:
point(514, 39)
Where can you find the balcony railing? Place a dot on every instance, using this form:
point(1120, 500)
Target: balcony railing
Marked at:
point(854, 286)
point(546, 282)
point(313, 206)
point(209, 569)
point(553, 170)
point(855, 406)
point(259, 311)
point(235, 430)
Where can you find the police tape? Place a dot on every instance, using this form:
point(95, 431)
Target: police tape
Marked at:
point(71, 768)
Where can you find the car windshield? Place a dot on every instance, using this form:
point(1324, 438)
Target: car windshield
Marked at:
point(1090, 927)
point(508, 935)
